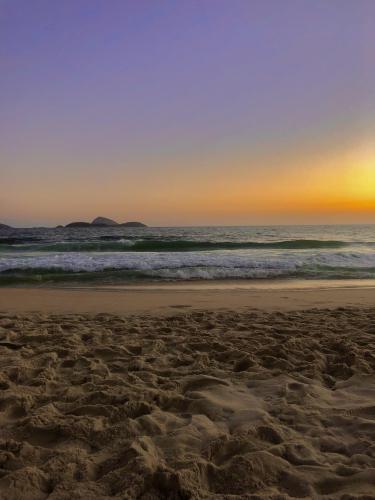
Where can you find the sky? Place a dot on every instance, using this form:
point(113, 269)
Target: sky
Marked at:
point(188, 112)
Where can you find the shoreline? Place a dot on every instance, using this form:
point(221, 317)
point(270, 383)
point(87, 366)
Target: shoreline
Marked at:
point(226, 284)
point(166, 298)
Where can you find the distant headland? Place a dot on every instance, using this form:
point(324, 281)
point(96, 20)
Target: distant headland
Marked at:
point(104, 222)
point(98, 222)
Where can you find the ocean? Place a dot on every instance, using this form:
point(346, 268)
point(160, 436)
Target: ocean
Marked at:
point(128, 255)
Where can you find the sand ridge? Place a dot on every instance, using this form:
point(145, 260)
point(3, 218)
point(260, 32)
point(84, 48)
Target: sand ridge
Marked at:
point(216, 405)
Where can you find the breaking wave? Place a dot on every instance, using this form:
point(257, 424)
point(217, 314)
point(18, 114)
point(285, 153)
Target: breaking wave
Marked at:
point(128, 245)
point(188, 265)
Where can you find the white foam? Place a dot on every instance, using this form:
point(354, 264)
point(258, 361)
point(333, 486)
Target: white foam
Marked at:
point(204, 265)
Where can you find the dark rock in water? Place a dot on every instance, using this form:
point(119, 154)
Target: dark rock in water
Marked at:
point(79, 224)
point(103, 221)
point(133, 224)
point(4, 226)
point(59, 226)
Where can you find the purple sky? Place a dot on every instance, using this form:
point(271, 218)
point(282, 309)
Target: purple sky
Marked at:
point(149, 108)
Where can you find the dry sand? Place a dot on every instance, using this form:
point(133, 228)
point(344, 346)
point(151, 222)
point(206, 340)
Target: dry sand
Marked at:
point(201, 404)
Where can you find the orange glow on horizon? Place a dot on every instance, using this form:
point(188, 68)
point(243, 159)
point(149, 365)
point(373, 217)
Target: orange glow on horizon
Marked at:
point(341, 186)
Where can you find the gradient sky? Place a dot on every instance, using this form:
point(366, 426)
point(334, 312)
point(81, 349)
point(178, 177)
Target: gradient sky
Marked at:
point(187, 111)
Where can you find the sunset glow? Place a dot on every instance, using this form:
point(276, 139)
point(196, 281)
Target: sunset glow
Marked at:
point(187, 112)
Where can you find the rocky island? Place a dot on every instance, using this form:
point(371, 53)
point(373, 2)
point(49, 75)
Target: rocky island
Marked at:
point(105, 222)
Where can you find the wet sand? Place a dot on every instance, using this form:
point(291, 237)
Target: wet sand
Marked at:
point(212, 394)
point(164, 299)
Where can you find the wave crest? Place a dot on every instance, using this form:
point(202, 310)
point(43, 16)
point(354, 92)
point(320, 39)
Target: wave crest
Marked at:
point(193, 265)
point(127, 245)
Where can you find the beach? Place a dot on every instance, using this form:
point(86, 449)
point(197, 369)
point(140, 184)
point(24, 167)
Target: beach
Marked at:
point(187, 250)
point(216, 391)
point(168, 298)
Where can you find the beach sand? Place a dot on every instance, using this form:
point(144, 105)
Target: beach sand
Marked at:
point(219, 394)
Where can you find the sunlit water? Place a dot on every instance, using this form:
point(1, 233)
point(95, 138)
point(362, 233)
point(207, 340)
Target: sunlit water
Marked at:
point(128, 255)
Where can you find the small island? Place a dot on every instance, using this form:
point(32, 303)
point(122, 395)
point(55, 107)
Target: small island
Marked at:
point(105, 222)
